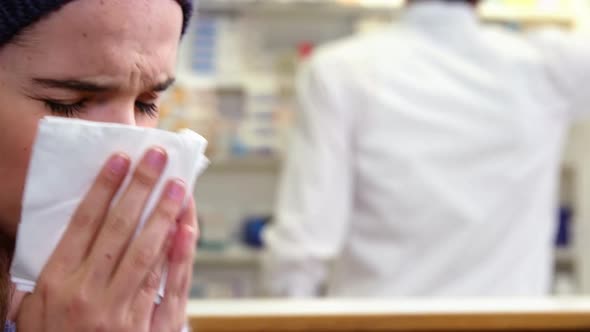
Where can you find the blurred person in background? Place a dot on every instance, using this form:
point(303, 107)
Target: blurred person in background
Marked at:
point(426, 160)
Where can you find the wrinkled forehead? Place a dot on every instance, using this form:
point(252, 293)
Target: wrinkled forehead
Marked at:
point(104, 37)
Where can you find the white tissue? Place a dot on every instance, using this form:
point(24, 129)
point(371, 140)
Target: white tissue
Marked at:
point(67, 156)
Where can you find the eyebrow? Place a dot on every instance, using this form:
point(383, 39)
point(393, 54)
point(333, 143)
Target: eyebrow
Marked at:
point(87, 86)
point(160, 87)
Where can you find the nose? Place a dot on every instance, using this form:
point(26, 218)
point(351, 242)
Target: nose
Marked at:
point(121, 113)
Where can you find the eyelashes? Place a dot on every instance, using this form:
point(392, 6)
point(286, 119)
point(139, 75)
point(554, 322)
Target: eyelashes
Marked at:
point(75, 109)
point(149, 109)
point(67, 110)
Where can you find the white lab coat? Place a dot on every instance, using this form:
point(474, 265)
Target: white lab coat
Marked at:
point(426, 161)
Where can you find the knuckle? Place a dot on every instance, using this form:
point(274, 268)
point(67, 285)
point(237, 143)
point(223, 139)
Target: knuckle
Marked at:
point(108, 180)
point(167, 212)
point(59, 264)
point(101, 325)
point(145, 177)
point(84, 219)
point(47, 287)
point(110, 320)
point(118, 224)
point(144, 258)
point(178, 292)
point(79, 306)
point(152, 282)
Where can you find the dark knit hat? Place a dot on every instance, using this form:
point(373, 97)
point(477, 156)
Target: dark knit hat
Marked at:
point(16, 15)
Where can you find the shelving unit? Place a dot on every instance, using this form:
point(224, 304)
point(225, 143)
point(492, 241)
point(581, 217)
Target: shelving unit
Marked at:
point(239, 255)
point(564, 256)
point(325, 7)
point(234, 256)
point(581, 204)
point(564, 19)
point(247, 172)
point(246, 164)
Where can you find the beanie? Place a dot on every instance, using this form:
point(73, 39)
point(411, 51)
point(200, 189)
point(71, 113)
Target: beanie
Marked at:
point(15, 15)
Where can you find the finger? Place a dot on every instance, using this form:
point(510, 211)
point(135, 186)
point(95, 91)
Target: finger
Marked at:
point(172, 310)
point(183, 247)
point(189, 214)
point(88, 218)
point(143, 304)
point(122, 220)
point(188, 217)
point(150, 243)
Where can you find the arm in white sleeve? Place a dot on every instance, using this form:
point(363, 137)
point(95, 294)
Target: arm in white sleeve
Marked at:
point(567, 58)
point(315, 194)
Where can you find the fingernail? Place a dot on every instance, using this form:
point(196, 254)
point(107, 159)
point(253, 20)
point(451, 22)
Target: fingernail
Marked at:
point(176, 190)
point(156, 158)
point(118, 164)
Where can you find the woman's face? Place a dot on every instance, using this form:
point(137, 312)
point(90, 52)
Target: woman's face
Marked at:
point(99, 60)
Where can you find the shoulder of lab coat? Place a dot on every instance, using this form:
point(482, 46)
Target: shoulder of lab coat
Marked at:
point(567, 59)
point(315, 194)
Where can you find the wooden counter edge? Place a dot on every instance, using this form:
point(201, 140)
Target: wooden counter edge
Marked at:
point(573, 321)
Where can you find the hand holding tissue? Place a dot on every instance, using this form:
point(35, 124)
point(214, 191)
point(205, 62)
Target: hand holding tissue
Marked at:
point(66, 159)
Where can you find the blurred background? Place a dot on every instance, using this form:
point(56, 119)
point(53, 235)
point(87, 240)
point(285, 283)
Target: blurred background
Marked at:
point(236, 88)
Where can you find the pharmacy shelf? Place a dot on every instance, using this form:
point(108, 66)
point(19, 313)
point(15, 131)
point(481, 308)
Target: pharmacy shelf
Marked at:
point(293, 7)
point(246, 164)
point(241, 255)
point(564, 256)
point(234, 256)
point(272, 164)
point(565, 19)
point(488, 13)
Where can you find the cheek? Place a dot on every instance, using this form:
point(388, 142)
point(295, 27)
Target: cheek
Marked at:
point(147, 122)
point(18, 127)
point(19, 118)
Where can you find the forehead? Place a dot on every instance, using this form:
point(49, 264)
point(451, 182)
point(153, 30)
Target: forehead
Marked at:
point(103, 38)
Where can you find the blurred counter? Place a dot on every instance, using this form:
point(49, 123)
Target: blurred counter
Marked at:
point(572, 314)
